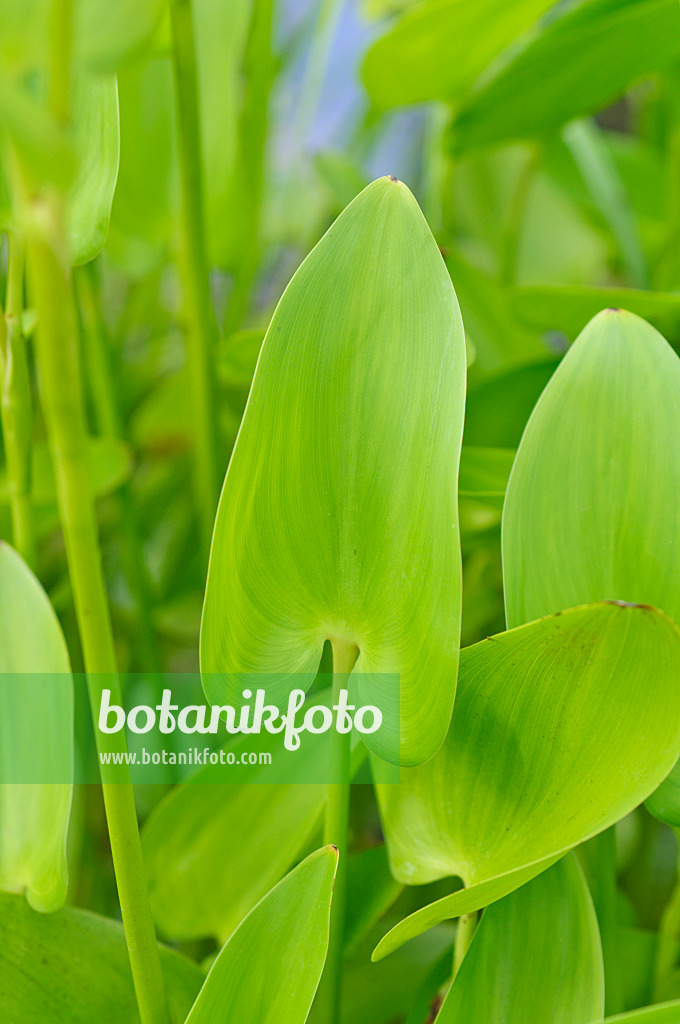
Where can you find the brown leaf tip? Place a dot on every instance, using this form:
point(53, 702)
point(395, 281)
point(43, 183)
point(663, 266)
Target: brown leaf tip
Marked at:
point(613, 309)
point(632, 604)
point(391, 177)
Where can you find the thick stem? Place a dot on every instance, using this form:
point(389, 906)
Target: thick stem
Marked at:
point(467, 925)
point(202, 327)
point(606, 905)
point(336, 829)
point(668, 943)
point(15, 407)
point(62, 401)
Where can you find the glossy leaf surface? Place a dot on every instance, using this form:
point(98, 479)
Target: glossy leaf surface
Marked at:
point(535, 957)
point(555, 735)
point(72, 967)
point(36, 725)
point(269, 969)
point(338, 517)
point(592, 509)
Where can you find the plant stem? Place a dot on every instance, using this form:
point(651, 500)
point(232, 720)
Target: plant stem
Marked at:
point(336, 830)
point(668, 942)
point(202, 333)
point(606, 905)
point(108, 421)
point(15, 406)
point(467, 925)
point(64, 411)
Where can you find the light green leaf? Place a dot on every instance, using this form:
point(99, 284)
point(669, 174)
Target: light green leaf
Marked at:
point(111, 32)
point(269, 969)
point(582, 60)
point(438, 50)
point(36, 723)
point(73, 967)
point(592, 508)
point(569, 308)
point(95, 116)
point(338, 517)
point(664, 1013)
point(198, 885)
point(535, 957)
point(554, 737)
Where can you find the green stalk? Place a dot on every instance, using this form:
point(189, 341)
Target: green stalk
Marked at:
point(512, 236)
point(15, 406)
point(668, 942)
point(336, 829)
point(108, 421)
point(202, 327)
point(63, 407)
point(258, 75)
point(64, 412)
point(606, 905)
point(467, 925)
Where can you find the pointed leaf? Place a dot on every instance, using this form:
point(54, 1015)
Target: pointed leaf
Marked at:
point(535, 957)
point(553, 738)
point(338, 517)
point(73, 967)
point(36, 735)
point(269, 969)
point(592, 510)
point(664, 1013)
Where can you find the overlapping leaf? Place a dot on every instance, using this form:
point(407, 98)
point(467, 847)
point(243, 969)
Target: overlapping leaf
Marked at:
point(36, 737)
point(338, 516)
point(72, 967)
point(553, 738)
point(592, 507)
point(269, 969)
point(535, 957)
point(582, 60)
point(440, 49)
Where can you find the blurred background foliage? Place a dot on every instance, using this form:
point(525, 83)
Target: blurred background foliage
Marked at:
point(542, 141)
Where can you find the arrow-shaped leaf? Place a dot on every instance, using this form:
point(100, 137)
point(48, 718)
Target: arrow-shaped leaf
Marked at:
point(338, 518)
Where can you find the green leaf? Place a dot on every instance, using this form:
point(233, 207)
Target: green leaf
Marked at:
point(269, 969)
point(569, 308)
point(438, 50)
point(555, 735)
point(664, 804)
point(72, 967)
point(36, 732)
point(498, 407)
point(338, 518)
point(198, 885)
point(95, 116)
point(512, 972)
point(582, 60)
point(371, 891)
point(592, 509)
point(665, 1013)
point(111, 32)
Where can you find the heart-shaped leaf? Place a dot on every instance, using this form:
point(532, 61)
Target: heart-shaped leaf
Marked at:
point(535, 957)
point(269, 969)
point(592, 511)
point(559, 729)
point(338, 518)
point(73, 967)
point(36, 739)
